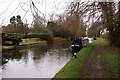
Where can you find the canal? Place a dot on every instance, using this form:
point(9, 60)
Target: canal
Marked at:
point(35, 61)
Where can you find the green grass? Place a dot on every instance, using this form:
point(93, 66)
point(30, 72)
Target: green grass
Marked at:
point(109, 60)
point(28, 43)
point(22, 43)
point(7, 47)
point(101, 42)
point(73, 67)
point(110, 63)
point(88, 71)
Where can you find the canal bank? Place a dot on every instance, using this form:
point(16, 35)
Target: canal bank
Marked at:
point(97, 60)
point(26, 42)
point(72, 68)
point(21, 45)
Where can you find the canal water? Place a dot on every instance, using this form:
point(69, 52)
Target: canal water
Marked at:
point(35, 61)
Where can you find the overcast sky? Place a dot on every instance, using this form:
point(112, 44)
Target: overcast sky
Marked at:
point(9, 8)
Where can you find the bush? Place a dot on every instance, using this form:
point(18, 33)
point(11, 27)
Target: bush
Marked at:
point(11, 38)
point(44, 36)
point(16, 41)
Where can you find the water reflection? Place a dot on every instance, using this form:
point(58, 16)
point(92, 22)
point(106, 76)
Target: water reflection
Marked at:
point(40, 61)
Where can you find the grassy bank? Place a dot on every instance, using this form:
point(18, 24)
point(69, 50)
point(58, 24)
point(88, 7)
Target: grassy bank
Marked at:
point(73, 67)
point(7, 47)
point(111, 66)
point(22, 44)
point(29, 43)
point(110, 58)
point(109, 62)
point(102, 43)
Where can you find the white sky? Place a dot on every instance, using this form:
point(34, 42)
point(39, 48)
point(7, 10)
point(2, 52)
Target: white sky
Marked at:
point(9, 8)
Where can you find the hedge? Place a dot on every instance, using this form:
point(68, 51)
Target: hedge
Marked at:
point(44, 36)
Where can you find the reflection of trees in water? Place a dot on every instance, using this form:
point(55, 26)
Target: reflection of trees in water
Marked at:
point(24, 54)
point(35, 53)
point(53, 50)
point(7, 55)
point(62, 44)
point(38, 51)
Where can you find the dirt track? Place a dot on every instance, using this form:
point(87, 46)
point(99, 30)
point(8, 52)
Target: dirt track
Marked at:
point(92, 62)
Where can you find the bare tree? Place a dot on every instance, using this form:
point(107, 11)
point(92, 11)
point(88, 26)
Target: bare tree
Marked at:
point(111, 18)
point(74, 19)
point(108, 13)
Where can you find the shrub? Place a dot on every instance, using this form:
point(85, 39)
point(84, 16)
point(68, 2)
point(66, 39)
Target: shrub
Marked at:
point(44, 36)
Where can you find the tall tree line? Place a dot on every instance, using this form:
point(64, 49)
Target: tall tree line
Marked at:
point(106, 13)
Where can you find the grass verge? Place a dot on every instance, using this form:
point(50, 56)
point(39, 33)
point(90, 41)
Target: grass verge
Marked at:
point(7, 47)
point(73, 67)
point(109, 60)
point(110, 63)
point(21, 44)
point(28, 43)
